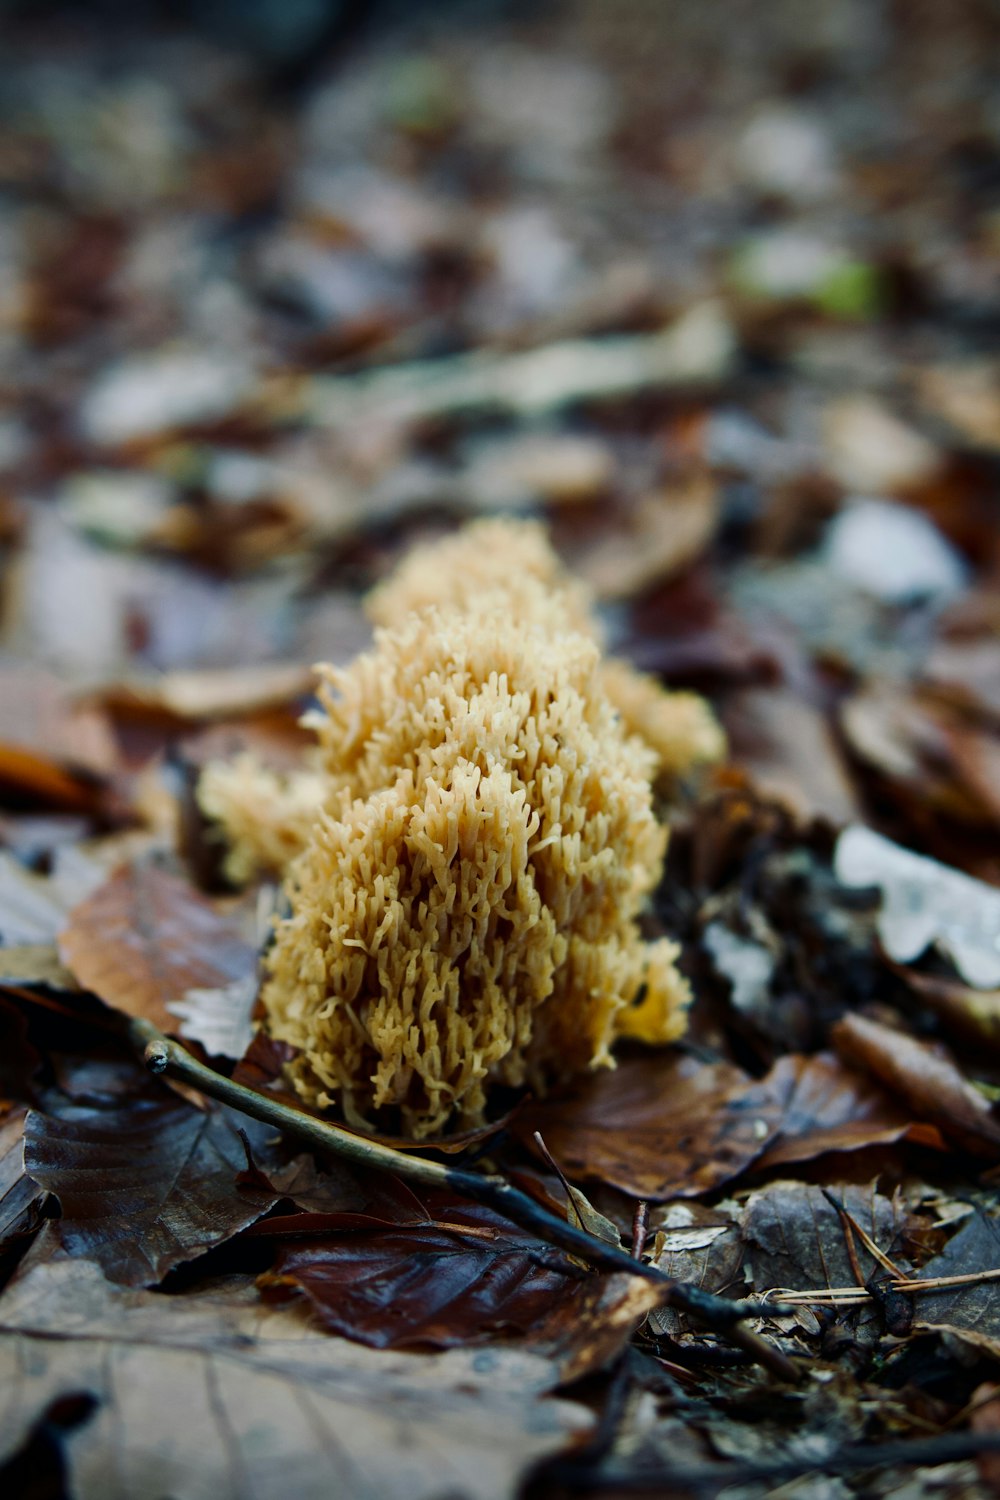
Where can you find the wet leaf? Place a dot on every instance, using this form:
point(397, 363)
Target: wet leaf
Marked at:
point(700, 1246)
point(146, 1187)
point(455, 1278)
point(975, 1248)
point(657, 1127)
point(146, 938)
point(206, 1398)
point(444, 1273)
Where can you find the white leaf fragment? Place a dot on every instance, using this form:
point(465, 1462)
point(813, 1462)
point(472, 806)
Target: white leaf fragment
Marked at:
point(924, 902)
point(219, 1017)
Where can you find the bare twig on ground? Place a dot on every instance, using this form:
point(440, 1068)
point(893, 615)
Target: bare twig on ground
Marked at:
point(164, 1056)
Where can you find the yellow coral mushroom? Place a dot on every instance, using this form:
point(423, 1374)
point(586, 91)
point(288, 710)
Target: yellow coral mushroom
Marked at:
point(469, 851)
point(465, 911)
point(510, 564)
point(265, 816)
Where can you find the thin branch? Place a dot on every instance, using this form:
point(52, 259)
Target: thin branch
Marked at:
point(834, 1296)
point(696, 351)
point(164, 1056)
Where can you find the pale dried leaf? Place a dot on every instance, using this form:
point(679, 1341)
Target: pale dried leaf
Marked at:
point(205, 1399)
point(925, 902)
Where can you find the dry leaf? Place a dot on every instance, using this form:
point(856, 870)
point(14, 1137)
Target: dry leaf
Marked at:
point(826, 1106)
point(146, 938)
point(203, 1398)
point(657, 1127)
point(926, 1077)
point(923, 903)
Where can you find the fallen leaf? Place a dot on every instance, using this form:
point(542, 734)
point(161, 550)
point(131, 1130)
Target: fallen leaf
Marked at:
point(30, 911)
point(925, 1077)
point(971, 1014)
point(208, 695)
point(461, 1276)
point(795, 1239)
point(925, 902)
point(31, 965)
point(786, 745)
point(146, 1187)
point(146, 938)
point(699, 1246)
point(826, 1106)
point(976, 1308)
point(209, 1399)
point(20, 1197)
point(657, 1127)
point(666, 533)
point(219, 1017)
point(51, 747)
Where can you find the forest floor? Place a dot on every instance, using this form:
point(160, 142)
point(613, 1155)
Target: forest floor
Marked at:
point(713, 291)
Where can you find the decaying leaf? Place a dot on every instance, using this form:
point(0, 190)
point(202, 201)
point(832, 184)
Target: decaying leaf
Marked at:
point(657, 1127)
point(30, 911)
point(148, 1186)
point(976, 1308)
point(146, 938)
point(219, 1017)
point(826, 1107)
point(795, 1239)
point(926, 1077)
point(205, 1398)
point(700, 1246)
point(20, 1196)
point(925, 902)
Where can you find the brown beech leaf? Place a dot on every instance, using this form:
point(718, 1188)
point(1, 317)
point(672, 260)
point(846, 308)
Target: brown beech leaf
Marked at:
point(214, 1398)
point(925, 1077)
point(826, 1106)
point(145, 938)
point(445, 1273)
point(460, 1275)
point(148, 1186)
point(51, 750)
point(657, 1127)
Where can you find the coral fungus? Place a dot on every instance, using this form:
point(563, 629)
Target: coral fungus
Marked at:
point(475, 843)
point(510, 564)
point(465, 910)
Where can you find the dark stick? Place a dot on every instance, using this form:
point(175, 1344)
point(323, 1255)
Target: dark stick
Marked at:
point(162, 1055)
point(949, 1447)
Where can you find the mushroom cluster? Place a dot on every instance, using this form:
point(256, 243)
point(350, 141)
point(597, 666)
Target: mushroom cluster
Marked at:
point(464, 902)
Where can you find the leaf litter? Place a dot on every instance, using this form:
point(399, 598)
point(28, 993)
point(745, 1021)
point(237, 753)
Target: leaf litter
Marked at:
point(236, 384)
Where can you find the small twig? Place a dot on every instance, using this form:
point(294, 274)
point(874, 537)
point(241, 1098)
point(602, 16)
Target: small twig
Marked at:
point(834, 1295)
point(164, 1056)
point(852, 1227)
point(640, 1228)
point(697, 351)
